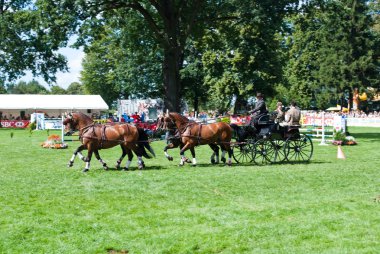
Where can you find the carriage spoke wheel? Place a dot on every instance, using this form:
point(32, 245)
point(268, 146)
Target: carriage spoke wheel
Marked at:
point(242, 153)
point(280, 152)
point(264, 151)
point(298, 148)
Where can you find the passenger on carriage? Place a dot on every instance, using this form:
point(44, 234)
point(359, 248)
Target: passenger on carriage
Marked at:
point(259, 110)
point(280, 116)
point(292, 116)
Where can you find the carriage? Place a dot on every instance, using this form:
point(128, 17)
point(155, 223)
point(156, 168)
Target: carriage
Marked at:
point(270, 142)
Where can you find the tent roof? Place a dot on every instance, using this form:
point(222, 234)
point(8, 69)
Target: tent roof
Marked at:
point(38, 101)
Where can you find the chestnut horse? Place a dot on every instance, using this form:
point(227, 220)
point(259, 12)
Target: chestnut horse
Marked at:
point(193, 134)
point(99, 136)
point(173, 138)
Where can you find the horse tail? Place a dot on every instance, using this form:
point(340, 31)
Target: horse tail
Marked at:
point(237, 131)
point(143, 144)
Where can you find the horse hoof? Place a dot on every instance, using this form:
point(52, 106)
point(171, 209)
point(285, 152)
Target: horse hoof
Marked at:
point(170, 158)
point(223, 160)
point(85, 170)
point(125, 169)
point(70, 164)
point(212, 161)
point(193, 165)
point(180, 165)
point(105, 167)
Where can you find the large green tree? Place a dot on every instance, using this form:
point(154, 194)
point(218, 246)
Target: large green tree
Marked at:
point(332, 49)
point(27, 43)
point(127, 58)
point(242, 55)
point(31, 87)
point(170, 23)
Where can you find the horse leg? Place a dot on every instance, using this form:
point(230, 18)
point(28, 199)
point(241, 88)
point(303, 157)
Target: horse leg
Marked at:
point(97, 156)
point(226, 148)
point(124, 152)
point(215, 150)
point(182, 153)
point(87, 160)
point(130, 156)
point(77, 151)
point(192, 150)
point(140, 161)
point(223, 159)
point(169, 146)
point(187, 160)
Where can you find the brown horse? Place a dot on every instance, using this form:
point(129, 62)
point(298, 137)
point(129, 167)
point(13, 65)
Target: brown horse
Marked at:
point(173, 138)
point(193, 134)
point(98, 136)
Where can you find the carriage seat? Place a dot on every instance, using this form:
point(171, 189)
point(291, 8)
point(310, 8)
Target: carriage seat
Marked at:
point(265, 120)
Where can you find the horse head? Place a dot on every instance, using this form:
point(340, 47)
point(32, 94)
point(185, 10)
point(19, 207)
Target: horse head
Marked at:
point(76, 121)
point(70, 122)
point(167, 123)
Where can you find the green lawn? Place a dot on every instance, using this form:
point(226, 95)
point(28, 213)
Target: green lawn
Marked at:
point(326, 206)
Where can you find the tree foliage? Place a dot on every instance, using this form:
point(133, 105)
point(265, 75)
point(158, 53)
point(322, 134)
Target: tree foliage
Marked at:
point(332, 48)
point(22, 87)
point(27, 42)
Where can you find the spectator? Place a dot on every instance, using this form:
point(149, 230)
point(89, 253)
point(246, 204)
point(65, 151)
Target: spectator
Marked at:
point(293, 115)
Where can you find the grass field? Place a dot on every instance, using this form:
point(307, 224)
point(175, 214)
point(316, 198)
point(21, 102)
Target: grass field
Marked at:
point(326, 206)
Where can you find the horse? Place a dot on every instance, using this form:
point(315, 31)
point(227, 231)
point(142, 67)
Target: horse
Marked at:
point(193, 134)
point(95, 136)
point(173, 138)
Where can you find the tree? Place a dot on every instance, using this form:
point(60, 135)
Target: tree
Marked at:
point(242, 55)
point(170, 22)
point(75, 88)
point(27, 43)
point(332, 49)
point(57, 90)
point(32, 87)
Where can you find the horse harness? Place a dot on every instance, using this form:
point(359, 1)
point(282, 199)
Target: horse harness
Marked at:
point(188, 128)
point(85, 130)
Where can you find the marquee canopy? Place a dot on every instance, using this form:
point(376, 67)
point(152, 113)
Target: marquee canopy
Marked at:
point(38, 102)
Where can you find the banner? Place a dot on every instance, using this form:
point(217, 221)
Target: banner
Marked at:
point(53, 124)
point(14, 123)
point(316, 119)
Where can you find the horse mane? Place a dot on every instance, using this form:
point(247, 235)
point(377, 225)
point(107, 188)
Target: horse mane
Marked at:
point(83, 116)
point(179, 117)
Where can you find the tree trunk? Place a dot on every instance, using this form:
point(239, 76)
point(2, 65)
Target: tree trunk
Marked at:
point(172, 82)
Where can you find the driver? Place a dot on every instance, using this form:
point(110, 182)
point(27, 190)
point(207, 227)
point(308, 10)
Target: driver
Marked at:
point(259, 110)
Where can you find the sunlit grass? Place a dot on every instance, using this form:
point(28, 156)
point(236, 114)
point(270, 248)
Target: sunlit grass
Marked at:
point(326, 206)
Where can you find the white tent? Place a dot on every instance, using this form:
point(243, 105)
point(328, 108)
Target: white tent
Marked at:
point(52, 105)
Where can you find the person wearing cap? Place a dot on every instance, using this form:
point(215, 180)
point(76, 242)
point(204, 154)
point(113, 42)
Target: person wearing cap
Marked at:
point(260, 108)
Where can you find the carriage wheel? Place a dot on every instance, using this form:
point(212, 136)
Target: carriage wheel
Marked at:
point(298, 148)
point(280, 152)
point(264, 152)
point(242, 153)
